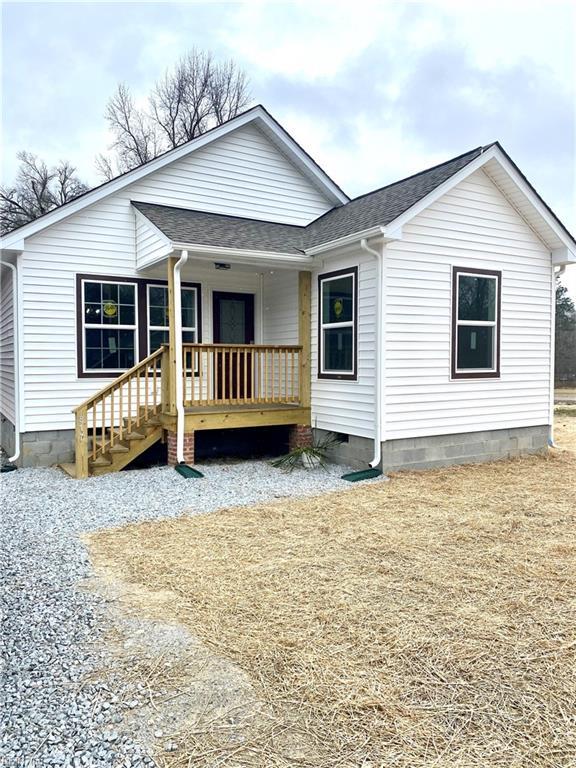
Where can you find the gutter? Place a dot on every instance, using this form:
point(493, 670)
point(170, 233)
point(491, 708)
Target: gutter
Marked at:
point(210, 251)
point(346, 240)
point(178, 350)
point(16, 364)
point(379, 256)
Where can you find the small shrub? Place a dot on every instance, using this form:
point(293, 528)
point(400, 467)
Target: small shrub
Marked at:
point(308, 457)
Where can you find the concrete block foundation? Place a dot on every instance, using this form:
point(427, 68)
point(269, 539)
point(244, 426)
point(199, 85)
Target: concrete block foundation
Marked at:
point(442, 450)
point(39, 449)
point(7, 435)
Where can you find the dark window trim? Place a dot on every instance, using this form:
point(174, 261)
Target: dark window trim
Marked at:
point(141, 319)
point(195, 286)
point(454, 373)
point(338, 376)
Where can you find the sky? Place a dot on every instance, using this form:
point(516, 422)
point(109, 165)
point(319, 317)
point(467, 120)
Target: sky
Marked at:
point(374, 91)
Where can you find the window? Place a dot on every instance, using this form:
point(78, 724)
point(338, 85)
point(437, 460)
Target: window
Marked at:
point(337, 304)
point(475, 323)
point(109, 318)
point(121, 320)
point(158, 315)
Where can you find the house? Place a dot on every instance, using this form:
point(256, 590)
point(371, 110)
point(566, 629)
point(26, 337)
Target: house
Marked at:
point(231, 283)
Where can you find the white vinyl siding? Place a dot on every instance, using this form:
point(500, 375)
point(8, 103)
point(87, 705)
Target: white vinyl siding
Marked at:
point(343, 405)
point(473, 225)
point(241, 174)
point(150, 245)
point(7, 394)
point(280, 307)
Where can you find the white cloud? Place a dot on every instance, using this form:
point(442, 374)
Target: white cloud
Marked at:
point(306, 40)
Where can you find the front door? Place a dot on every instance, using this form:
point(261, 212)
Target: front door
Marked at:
point(233, 318)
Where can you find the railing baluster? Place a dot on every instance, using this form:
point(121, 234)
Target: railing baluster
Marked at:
point(238, 389)
point(154, 387)
point(112, 411)
point(229, 365)
point(121, 414)
point(130, 404)
point(217, 376)
point(146, 393)
point(93, 409)
point(138, 384)
point(208, 376)
point(103, 434)
point(200, 377)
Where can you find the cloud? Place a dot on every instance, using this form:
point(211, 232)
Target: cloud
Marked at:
point(375, 91)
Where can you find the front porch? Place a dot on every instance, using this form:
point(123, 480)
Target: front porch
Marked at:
point(219, 385)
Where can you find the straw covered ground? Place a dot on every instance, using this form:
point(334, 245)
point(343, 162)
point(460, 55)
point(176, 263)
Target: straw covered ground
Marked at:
point(426, 621)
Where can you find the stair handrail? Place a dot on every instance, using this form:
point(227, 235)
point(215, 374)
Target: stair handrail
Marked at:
point(120, 379)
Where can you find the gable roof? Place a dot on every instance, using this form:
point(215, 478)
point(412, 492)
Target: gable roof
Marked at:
point(257, 115)
point(376, 208)
point(393, 205)
point(386, 204)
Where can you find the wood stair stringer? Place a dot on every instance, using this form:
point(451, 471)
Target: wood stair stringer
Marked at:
point(135, 443)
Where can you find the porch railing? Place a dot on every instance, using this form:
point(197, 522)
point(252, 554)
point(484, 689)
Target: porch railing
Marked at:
point(241, 374)
point(118, 409)
point(213, 375)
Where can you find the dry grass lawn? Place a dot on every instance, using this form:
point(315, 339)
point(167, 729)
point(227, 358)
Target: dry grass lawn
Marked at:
point(427, 621)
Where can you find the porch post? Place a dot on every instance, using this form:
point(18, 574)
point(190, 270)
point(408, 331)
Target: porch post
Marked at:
point(171, 385)
point(304, 333)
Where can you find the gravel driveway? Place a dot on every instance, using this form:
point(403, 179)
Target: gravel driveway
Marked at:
point(57, 712)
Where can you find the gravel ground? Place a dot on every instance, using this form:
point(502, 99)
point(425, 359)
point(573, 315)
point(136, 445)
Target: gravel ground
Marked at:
point(57, 710)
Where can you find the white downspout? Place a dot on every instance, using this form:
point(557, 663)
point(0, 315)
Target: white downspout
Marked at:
point(555, 275)
point(178, 350)
point(16, 456)
point(261, 306)
point(379, 256)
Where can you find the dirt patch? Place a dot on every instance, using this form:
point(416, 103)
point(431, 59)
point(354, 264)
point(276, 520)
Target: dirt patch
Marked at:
point(428, 621)
point(565, 428)
point(180, 690)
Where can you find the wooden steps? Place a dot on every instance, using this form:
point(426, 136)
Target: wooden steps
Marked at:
point(129, 447)
point(123, 451)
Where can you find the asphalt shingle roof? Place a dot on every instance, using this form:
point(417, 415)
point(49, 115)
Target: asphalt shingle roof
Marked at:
point(200, 228)
point(376, 208)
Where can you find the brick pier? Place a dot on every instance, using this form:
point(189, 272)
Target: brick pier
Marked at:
point(300, 436)
point(188, 448)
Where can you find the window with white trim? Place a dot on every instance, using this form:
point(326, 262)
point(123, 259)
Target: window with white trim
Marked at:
point(476, 323)
point(109, 322)
point(158, 326)
point(337, 305)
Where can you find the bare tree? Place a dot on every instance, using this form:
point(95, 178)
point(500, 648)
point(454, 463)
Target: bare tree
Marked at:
point(196, 95)
point(37, 190)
